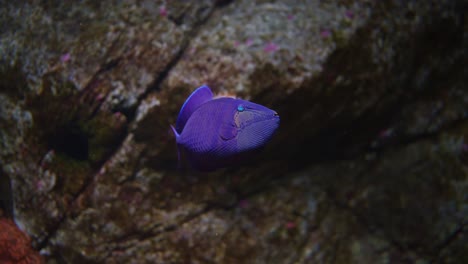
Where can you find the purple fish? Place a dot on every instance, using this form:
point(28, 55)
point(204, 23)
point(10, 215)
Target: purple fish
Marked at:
point(216, 133)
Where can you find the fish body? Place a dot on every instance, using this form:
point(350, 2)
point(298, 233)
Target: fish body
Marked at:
point(216, 133)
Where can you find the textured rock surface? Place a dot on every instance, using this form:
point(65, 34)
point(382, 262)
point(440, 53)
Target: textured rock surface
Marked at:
point(369, 165)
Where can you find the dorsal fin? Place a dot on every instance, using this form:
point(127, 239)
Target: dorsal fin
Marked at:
point(198, 97)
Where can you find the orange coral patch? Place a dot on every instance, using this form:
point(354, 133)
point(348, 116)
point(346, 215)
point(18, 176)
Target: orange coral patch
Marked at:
point(15, 246)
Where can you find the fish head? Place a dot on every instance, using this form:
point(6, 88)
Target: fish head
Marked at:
point(256, 124)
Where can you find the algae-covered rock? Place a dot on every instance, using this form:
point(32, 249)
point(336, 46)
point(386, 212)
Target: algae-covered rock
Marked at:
point(369, 164)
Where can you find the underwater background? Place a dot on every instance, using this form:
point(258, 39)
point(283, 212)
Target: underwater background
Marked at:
point(369, 164)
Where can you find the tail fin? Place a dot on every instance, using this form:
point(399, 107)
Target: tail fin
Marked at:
point(177, 136)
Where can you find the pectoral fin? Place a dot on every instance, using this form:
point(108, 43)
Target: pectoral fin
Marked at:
point(228, 131)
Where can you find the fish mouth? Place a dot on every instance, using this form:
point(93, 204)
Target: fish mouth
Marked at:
point(275, 114)
point(268, 119)
point(272, 123)
point(276, 117)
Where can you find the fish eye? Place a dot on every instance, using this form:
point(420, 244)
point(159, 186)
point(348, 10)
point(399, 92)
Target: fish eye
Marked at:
point(240, 108)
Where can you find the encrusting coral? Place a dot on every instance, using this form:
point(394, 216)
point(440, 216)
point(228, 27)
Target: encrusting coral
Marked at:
point(15, 246)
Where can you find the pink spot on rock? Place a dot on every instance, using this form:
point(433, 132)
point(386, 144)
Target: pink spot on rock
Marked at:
point(325, 33)
point(192, 51)
point(65, 57)
point(222, 190)
point(40, 185)
point(270, 47)
point(163, 11)
point(465, 147)
point(243, 203)
point(100, 97)
point(386, 133)
point(290, 225)
point(349, 14)
point(290, 17)
point(236, 44)
point(248, 42)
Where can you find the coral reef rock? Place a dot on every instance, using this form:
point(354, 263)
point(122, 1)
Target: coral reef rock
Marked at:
point(370, 163)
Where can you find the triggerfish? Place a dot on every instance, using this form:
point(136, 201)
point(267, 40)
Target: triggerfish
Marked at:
point(220, 132)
